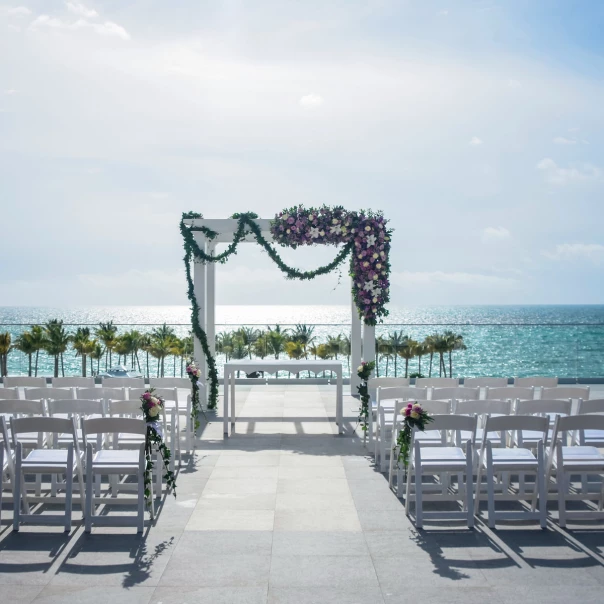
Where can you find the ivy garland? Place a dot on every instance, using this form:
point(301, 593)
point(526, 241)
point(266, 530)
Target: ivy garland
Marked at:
point(364, 235)
point(364, 371)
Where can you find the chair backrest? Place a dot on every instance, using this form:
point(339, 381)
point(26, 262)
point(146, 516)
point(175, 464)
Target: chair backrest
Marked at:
point(452, 422)
point(46, 394)
point(76, 407)
point(573, 392)
point(12, 393)
point(51, 425)
point(123, 382)
point(491, 382)
point(174, 382)
point(483, 407)
point(168, 394)
point(401, 393)
point(101, 393)
point(24, 382)
point(561, 406)
point(125, 408)
point(18, 407)
point(595, 405)
point(5, 446)
point(385, 382)
point(578, 422)
point(73, 382)
point(524, 394)
point(114, 425)
point(536, 382)
point(436, 382)
point(458, 393)
point(514, 423)
point(437, 407)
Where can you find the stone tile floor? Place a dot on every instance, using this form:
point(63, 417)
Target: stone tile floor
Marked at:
point(287, 512)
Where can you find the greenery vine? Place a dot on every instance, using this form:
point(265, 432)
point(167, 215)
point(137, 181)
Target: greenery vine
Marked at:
point(154, 438)
point(364, 371)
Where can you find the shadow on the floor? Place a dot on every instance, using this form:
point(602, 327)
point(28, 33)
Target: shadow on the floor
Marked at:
point(15, 546)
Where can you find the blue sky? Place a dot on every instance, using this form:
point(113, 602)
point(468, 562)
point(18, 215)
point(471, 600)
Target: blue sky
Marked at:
point(476, 126)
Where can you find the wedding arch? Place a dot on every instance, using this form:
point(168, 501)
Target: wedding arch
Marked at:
point(364, 236)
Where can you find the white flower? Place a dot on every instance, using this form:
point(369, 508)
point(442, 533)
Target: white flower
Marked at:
point(377, 291)
point(368, 286)
point(367, 228)
point(336, 229)
point(154, 411)
point(365, 264)
point(378, 265)
point(375, 300)
point(154, 400)
point(322, 233)
point(375, 277)
point(360, 368)
point(370, 241)
point(335, 221)
point(314, 232)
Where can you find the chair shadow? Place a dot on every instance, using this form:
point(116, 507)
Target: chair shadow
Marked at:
point(22, 542)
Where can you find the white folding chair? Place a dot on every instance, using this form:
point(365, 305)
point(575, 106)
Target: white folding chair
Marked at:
point(566, 461)
point(436, 382)
point(492, 382)
point(24, 382)
point(544, 408)
point(565, 392)
point(10, 393)
point(385, 382)
point(73, 382)
point(510, 392)
point(46, 394)
point(482, 409)
point(123, 382)
point(594, 438)
point(536, 382)
point(45, 461)
point(7, 463)
point(506, 461)
point(115, 462)
point(443, 462)
point(386, 397)
point(459, 393)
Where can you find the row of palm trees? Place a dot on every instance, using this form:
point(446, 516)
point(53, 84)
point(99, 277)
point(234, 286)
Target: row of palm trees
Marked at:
point(99, 344)
point(301, 341)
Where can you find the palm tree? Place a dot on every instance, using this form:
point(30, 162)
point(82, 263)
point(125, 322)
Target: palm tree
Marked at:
point(132, 341)
point(276, 340)
point(96, 353)
point(429, 348)
point(82, 345)
point(324, 353)
point(382, 346)
point(407, 352)
point(454, 342)
point(39, 339)
point(334, 343)
point(162, 339)
point(187, 351)
point(397, 340)
point(224, 343)
point(177, 348)
point(420, 351)
point(5, 347)
point(57, 341)
point(441, 346)
point(346, 348)
point(106, 333)
point(249, 336)
point(122, 347)
point(260, 348)
point(145, 346)
point(304, 334)
point(25, 343)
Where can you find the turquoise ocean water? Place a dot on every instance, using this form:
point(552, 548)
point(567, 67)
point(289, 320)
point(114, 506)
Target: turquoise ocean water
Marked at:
point(564, 341)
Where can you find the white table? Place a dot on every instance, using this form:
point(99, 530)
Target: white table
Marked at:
point(272, 366)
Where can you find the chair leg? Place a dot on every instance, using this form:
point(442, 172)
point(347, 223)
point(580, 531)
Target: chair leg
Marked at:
point(141, 502)
point(408, 491)
point(159, 465)
point(469, 486)
point(419, 510)
point(561, 480)
point(540, 486)
point(18, 485)
point(491, 493)
point(369, 432)
point(88, 516)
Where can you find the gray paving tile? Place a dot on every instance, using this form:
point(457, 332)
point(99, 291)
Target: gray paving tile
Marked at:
point(452, 594)
point(324, 595)
point(200, 544)
point(384, 521)
point(551, 594)
point(338, 572)
point(187, 594)
point(54, 594)
point(240, 570)
point(319, 544)
point(19, 594)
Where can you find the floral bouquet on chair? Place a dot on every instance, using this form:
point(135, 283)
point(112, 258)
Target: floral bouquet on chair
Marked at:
point(151, 406)
point(414, 417)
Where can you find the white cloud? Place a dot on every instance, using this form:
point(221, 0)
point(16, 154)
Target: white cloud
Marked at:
point(404, 278)
point(13, 27)
point(132, 279)
point(514, 83)
point(10, 91)
point(475, 141)
point(16, 11)
point(81, 10)
point(311, 100)
point(495, 234)
point(556, 175)
point(562, 140)
point(576, 251)
point(108, 28)
point(442, 13)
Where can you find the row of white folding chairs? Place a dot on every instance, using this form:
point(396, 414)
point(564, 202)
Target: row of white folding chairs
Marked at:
point(71, 461)
point(385, 412)
point(169, 394)
point(498, 464)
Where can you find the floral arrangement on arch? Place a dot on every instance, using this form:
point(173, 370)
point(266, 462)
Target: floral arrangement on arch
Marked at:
point(152, 406)
point(369, 238)
point(415, 416)
point(194, 373)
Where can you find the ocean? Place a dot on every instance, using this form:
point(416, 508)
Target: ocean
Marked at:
point(508, 341)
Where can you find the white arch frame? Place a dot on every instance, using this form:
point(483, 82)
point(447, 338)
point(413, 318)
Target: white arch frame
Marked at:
point(362, 337)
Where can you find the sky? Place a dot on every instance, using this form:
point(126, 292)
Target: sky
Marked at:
point(475, 126)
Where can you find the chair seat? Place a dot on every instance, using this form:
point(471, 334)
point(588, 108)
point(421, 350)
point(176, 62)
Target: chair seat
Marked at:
point(449, 458)
point(47, 459)
point(116, 457)
point(513, 458)
point(429, 436)
point(581, 458)
point(593, 436)
point(534, 436)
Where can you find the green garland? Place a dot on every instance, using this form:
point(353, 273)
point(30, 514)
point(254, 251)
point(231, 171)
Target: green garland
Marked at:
point(246, 224)
point(153, 438)
point(364, 371)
